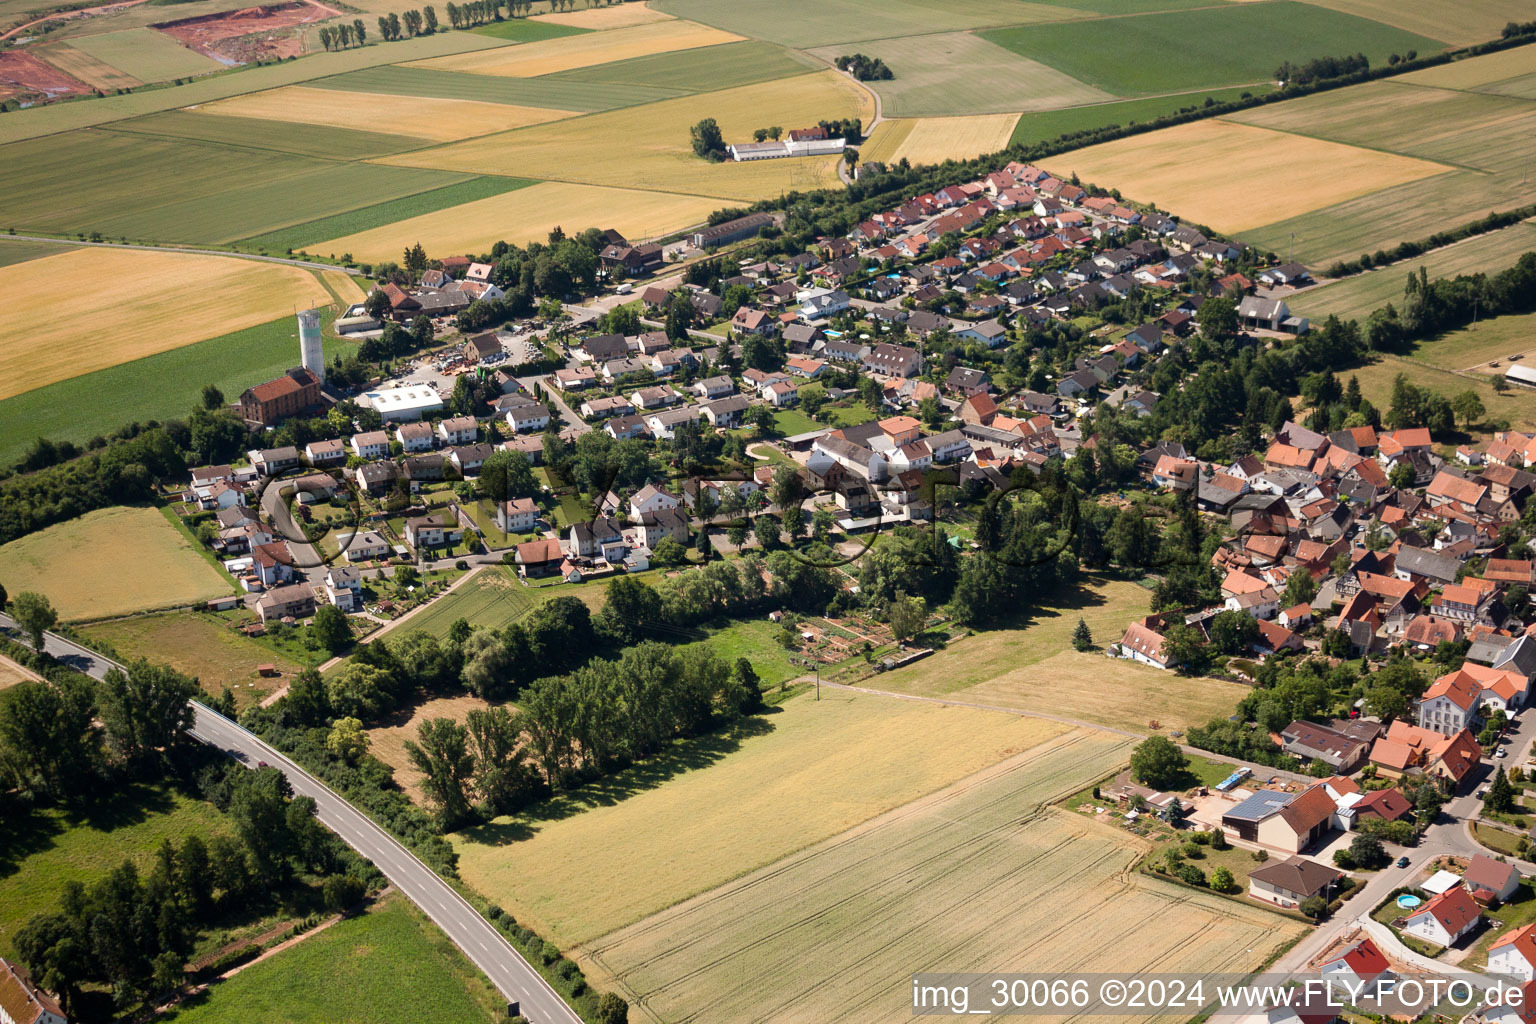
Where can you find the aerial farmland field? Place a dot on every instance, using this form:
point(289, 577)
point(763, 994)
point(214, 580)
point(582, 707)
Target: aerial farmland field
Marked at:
point(655, 140)
point(962, 73)
point(198, 645)
point(1234, 177)
point(1231, 44)
point(1356, 297)
point(932, 140)
point(132, 301)
point(525, 215)
point(776, 784)
point(93, 72)
point(113, 561)
point(805, 23)
point(1455, 23)
point(439, 120)
point(145, 54)
point(976, 874)
point(705, 69)
point(550, 56)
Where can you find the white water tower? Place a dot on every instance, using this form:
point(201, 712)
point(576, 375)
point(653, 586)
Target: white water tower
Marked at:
point(311, 356)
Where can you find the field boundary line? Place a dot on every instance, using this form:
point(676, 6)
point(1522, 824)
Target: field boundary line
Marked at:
point(1449, 166)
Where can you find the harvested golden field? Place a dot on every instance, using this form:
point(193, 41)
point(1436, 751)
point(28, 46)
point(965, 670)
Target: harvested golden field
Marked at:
point(728, 803)
point(114, 561)
point(975, 876)
point(1233, 177)
point(530, 60)
point(527, 215)
point(423, 117)
point(1034, 668)
point(622, 16)
point(1474, 72)
point(202, 646)
point(137, 303)
point(91, 70)
point(387, 742)
point(12, 673)
point(1459, 24)
point(931, 140)
point(648, 146)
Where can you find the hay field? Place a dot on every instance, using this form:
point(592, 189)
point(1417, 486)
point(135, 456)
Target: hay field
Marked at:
point(977, 875)
point(439, 120)
point(623, 16)
point(1460, 24)
point(952, 73)
point(114, 561)
point(564, 54)
point(1234, 177)
point(201, 646)
point(527, 215)
point(145, 53)
point(655, 143)
point(1489, 140)
point(1355, 297)
point(563, 91)
point(932, 140)
point(806, 23)
point(311, 140)
point(138, 303)
point(1470, 350)
point(1489, 69)
point(1033, 667)
point(387, 742)
point(614, 852)
point(1226, 44)
point(81, 65)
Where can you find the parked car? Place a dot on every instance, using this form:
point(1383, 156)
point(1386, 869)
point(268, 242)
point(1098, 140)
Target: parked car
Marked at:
point(1402, 862)
point(1501, 752)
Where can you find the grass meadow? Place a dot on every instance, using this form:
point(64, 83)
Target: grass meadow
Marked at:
point(389, 965)
point(113, 561)
point(155, 387)
point(1515, 406)
point(579, 866)
point(951, 73)
point(201, 646)
point(1355, 297)
point(146, 54)
point(144, 301)
point(1231, 44)
point(978, 873)
point(1032, 666)
point(42, 849)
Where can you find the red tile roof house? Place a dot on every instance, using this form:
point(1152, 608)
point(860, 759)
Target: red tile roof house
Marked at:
point(1514, 954)
point(1444, 919)
point(1498, 879)
point(1358, 969)
point(22, 1003)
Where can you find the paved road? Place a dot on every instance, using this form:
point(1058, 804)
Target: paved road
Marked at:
point(481, 942)
point(287, 261)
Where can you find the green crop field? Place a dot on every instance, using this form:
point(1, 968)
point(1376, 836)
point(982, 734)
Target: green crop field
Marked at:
point(553, 92)
point(62, 117)
point(302, 235)
point(388, 966)
point(162, 386)
point(1049, 125)
point(962, 73)
point(293, 137)
point(522, 30)
point(42, 849)
point(1355, 297)
point(1217, 46)
point(145, 53)
point(185, 191)
point(804, 23)
point(699, 70)
point(1488, 140)
point(980, 872)
point(492, 598)
point(13, 251)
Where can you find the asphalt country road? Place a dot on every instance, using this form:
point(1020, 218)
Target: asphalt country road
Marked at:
point(481, 942)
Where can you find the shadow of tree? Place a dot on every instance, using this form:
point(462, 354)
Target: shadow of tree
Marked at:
point(34, 830)
point(684, 756)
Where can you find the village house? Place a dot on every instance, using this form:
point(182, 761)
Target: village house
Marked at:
point(1445, 918)
point(517, 515)
point(295, 601)
point(1288, 882)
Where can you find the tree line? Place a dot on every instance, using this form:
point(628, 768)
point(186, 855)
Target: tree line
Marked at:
point(1409, 249)
point(344, 35)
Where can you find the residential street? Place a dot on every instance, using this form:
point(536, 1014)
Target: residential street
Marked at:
point(480, 941)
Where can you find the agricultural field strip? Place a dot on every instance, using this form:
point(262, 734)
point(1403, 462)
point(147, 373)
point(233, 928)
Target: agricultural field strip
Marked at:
point(533, 60)
point(916, 882)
